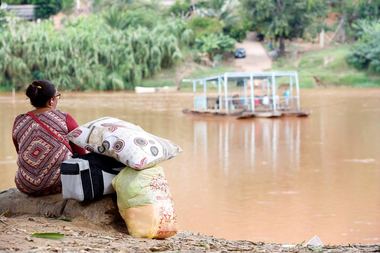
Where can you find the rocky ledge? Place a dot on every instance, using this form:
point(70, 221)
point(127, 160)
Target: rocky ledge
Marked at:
point(97, 227)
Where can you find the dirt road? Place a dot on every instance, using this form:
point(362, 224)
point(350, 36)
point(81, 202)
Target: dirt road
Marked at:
point(257, 58)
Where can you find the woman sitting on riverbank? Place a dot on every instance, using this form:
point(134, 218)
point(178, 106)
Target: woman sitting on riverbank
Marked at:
point(41, 143)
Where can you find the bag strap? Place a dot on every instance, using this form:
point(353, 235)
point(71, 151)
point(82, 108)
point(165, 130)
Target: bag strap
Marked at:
point(58, 136)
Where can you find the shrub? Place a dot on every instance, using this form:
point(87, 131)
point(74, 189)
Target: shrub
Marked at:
point(204, 26)
point(365, 53)
point(86, 54)
point(180, 8)
point(45, 8)
point(215, 44)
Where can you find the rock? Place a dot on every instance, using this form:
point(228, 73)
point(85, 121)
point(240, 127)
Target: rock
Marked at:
point(14, 202)
point(102, 212)
point(315, 241)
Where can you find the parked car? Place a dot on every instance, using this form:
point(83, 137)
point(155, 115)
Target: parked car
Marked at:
point(240, 53)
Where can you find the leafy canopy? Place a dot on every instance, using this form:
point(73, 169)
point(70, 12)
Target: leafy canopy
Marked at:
point(215, 44)
point(365, 54)
point(283, 19)
point(88, 53)
point(46, 8)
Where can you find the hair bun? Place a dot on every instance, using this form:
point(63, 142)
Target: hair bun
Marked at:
point(39, 92)
point(33, 89)
point(36, 84)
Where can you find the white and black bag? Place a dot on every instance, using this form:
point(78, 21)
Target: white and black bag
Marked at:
point(89, 176)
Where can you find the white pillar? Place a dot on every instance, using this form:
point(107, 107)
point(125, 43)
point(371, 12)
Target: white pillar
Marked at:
point(226, 93)
point(274, 92)
point(252, 93)
point(204, 94)
point(297, 92)
point(219, 93)
point(194, 95)
point(322, 38)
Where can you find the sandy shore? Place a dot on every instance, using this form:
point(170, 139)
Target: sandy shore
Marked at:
point(83, 236)
point(97, 227)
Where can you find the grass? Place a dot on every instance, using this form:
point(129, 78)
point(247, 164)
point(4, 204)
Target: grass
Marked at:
point(329, 67)
point(192, 70)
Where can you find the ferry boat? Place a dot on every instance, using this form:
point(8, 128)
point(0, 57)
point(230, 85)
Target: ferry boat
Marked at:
point(248, 95)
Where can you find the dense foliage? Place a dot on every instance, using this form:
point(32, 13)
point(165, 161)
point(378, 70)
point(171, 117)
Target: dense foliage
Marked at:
point(204, 26)
point(365, 54)
point(113, 49)
point(88, 53)
point(353, 11)
point(213, 16)
point(46, 8)
point(285, 19)
point(3, 20)
point(229, 13)
point(214, 44)
point(181, 8)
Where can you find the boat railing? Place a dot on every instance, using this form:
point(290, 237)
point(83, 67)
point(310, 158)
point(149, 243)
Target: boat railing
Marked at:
point(260, 103)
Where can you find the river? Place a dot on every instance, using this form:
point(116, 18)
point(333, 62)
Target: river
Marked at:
point(275, 180)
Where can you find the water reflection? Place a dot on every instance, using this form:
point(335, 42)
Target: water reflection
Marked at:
point(260, 141)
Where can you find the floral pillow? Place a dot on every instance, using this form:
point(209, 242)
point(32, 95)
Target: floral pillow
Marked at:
point(124, 141)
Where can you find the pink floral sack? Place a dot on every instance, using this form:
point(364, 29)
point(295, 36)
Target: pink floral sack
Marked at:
point(124, 141)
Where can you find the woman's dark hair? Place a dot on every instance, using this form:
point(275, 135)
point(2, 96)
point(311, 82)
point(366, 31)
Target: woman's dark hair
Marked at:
point(39, 92)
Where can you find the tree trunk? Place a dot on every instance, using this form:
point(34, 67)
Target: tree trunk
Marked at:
point(340, 33)
point(282, 46)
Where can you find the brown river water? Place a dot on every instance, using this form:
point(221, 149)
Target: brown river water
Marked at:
point(275, 180)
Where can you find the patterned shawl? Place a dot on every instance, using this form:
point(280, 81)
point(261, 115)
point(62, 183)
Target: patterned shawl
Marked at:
point(39, 153)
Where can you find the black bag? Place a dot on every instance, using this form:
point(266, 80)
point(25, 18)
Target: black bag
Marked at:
point(88, 177)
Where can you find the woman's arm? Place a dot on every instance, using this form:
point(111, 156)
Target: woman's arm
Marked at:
point(15, 142)
point(71, 125)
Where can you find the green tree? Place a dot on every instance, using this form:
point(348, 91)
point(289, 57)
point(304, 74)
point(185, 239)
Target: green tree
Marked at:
point(180, 8)
point(3, 20)
point(204, 25)
point(283, 19)
point(228, 13)
point(214, 44)
point(46, 8)
point(365, 54)
point(353, 11)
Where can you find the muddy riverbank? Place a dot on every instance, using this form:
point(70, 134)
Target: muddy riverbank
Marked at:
point(95, 227)
point(83, 236)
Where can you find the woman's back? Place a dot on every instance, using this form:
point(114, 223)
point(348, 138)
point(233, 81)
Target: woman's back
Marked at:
point(40, 153)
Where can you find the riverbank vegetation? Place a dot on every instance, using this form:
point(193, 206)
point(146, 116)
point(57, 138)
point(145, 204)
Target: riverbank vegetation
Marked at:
point(122, 44)
point(328, 67)
point(354, 64)
point(107, 51)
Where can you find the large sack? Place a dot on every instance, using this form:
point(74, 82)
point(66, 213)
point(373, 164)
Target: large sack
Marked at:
point(145, 203)
point(88, 177)
point(124, 141)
